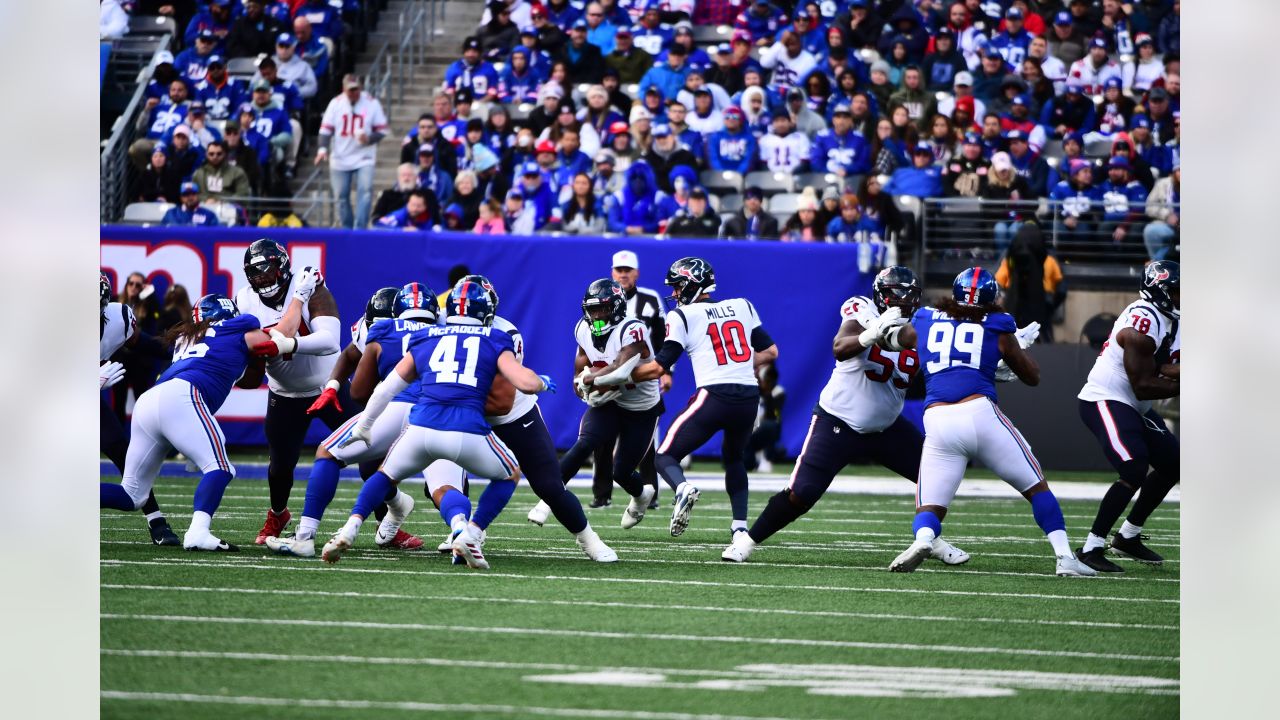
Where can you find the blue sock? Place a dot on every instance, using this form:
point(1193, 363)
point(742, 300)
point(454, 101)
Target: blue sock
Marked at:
point(321, 487)
point(454, 503)
point(1047, 512)
point(209, 491)
point(375, 488)
point(112, 495)
point(926, 519)
point(495, 497)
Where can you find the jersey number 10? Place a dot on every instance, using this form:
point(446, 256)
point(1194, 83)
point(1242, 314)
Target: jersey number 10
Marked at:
point(732, 345)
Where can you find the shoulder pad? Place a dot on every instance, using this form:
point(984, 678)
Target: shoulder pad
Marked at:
point(855, 306)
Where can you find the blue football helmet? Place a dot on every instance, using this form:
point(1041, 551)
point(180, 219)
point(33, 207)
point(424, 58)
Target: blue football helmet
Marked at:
point(417, 301)
point(470, 303)
point(974, 287)
point(214, 307)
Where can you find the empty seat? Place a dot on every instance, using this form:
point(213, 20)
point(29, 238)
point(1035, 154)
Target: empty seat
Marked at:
point(1098, 149)
point(731, 203)
point(520, 111)
point(152, 25)
point(816, 180)
point(908, 204)
point(242, 67)
point(711, 34)
point(146, 212)
point(721, 182)
point(772, 183)
point(1052, 150)
point(784, 204)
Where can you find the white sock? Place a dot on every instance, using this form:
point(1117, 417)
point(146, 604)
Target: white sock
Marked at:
point(458, 523)
point(925, 534)
point(743, 539)
point(1094, 542)
point(307, 527)
point(737, 525)
point(199, 522)
point(158, 515)
point(1130, 531)
point(586, 532)
point(352, 528)
point(1061, 545)
point(399, 504)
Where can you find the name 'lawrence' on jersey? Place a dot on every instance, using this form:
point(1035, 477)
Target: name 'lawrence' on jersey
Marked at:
point(393, 336)
point(718, 338)
point(959, 358)
point(635, 396)
point(456, 365)
point(866, 391)
point(289, 375)
point(214, 363)
point(1108, 380)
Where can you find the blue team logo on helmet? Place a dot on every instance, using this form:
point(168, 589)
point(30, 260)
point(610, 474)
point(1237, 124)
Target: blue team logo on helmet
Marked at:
point(470, 303)
point(214, 307)
point(974, 287)
point(416, 300)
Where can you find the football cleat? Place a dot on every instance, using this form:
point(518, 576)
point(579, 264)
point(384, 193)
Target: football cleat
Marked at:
point(948, 553)
point(469, 545)
point(389, 529)
point(1069, 566)
point(292, 546)
point(273, 526)
point(686, 497)
point(600, 502)
point(538, 515)
point(446, 547)
point(635, 511)
point(162, 534)
point(400, 541)
point(337, 545)
point(911, 558)
point(207, 542)
point(1096, 559)
point(1134, 549)
point(594, 547)
point(740, 549)
point(654, 504)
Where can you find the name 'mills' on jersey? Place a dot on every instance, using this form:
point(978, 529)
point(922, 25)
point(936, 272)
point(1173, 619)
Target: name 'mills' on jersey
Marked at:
point(456, 365)
point(866, 391)
point(959, 358)
point(1108, 380)
point(635, 396)
point(214, 363)
point(393, 336)
point(717, 337)
point(524, 401)
point(289, 375)
point(118, 325)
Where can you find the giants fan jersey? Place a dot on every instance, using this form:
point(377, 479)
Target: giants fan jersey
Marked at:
point(635, 396)
point(717, 337)
point(118, 325)
point(1108, 380)
point(524, 401)
point(784, 154)
point(288, 375)
point(346, 123)
point(1091, 77)
point(866, 391)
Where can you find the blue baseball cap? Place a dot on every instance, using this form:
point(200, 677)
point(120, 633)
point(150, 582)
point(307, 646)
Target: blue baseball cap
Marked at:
point(1119, 161)
point(921, 148)
point(1013, 13)
point(1020, 100)
point(1112, 82)
point(515, 193)
point(972, 138)
point(1077, 137)
point(455, 210)
point(1098, 42)
point(216, 59)
point(842, 109)
point(529, 30)
point(206, 34)
point(189, 188)
point(530, 168)
point(286, 39)
point(1015, 135)
point(579, 24)
point(1062, 18)
point(1140, 120)
point(661, 130)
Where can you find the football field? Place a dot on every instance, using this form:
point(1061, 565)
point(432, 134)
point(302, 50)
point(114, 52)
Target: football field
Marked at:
point(814, 626)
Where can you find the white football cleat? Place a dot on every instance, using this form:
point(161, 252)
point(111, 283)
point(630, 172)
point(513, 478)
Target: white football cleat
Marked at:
point(292, 546)
point(397, 511)
point(635, 511)
point(337, 545)
point(539, 514)
point(911, 558)
point(469, 545)
point(1070, 566)
point(207, 542)
point(594, 547)
point(740, 549)
point(686, 497)
point(948, 553)
point(446, 547)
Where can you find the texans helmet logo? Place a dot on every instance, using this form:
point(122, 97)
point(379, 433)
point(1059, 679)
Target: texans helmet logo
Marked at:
point(1156, 275)
point(684, 272)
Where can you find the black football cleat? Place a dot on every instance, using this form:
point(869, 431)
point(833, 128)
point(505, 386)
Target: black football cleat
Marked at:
point(162, 534)
point(601, 502)
point(1097, 559)
point(1134, 549)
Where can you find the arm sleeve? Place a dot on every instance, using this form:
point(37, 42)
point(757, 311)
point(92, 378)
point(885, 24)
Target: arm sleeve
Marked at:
point(382, 396)
point(760, 339)
point(323, 340)
point(669, 353)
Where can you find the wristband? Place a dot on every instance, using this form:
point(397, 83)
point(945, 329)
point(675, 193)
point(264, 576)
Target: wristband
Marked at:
point(333, 385)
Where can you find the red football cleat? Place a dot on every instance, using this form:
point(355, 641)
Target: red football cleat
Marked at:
point(273, 526)
point(404, 541)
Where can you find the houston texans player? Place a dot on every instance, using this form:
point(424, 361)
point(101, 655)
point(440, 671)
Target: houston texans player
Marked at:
point(965, 344)
point(725, 342)
point(118, 327)
point(1138, 364)
point(858, 415)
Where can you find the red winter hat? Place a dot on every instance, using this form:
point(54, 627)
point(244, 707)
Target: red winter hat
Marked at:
point(965, 103)
point(545, 146)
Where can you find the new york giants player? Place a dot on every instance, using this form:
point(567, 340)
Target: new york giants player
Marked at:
point(858, 415)
point(964, 344)
point(1136, 366)
point(211, 351)
point(726, 343)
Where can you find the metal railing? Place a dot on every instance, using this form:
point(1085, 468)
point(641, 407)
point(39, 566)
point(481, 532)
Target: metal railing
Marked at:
point(113, 185)
point(398, 60)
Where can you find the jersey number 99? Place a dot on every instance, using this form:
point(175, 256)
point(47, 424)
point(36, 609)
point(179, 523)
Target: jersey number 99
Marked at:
point(964, 339)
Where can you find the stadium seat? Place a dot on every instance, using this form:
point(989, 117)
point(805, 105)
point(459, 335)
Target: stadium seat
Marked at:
point(782, 219)
point(1097, 329)
point(520, 111)
point(244, 67)
point(721, 182)
point(725, 217)
point(784, 204)
point(907, 204)
point(772, 183)
point(961, 206)
point(851, 183)
point(1098, 149)
point(731, 203)
point(152, 25)
point(148, 213)
point(711, 34)
point(1052, 150)
point(228, 213)
point(816, 180)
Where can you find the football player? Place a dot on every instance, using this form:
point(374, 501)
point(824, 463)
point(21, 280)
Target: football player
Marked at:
point(118, 327)
point(725, 342)
point(626, 415)
point(459, 362)
point(299, 359)
point(1136, 366)
point(858, 415)
point(211, 351)
point(964, 344)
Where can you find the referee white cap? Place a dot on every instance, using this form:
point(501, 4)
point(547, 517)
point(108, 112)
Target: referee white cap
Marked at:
point(626, 259)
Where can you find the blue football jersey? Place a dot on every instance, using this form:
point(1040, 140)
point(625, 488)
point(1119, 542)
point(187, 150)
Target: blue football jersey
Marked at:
point(215, 363)
point(393, 334)
point(959, 358)
point(456, 365)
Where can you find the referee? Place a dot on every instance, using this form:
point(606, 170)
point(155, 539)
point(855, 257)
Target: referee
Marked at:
point(645, 304)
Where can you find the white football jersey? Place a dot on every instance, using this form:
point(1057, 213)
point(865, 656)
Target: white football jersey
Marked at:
point(524, 401)
point(635, 396)
point(346, 123)
point(118, 325)
point(784, 154)
point(291, 375)
point(360, 334)
point(866, 391)
point(1108, 380)
point(717, 337)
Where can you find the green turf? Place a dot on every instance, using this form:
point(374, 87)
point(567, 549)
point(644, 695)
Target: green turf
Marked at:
point(710, 639)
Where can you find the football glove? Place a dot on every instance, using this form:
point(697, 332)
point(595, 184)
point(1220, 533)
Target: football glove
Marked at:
point(307, 282)
point(1027, 335)
point(328, 398)
point(619, 375)
point(1004, 373)
point(110, 374)
point(875, 329)
point(548, 385)
point(359, 433)
point(277, 345)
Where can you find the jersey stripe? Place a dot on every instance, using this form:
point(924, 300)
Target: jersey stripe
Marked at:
point(1022, 445)
point(210, 430)
point(341, 433)
point(813, 420)
point(1113, 434)
point(501, 451)
point(688, 413)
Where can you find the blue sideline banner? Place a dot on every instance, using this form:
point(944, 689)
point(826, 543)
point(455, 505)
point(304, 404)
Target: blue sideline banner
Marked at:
point(797, 290)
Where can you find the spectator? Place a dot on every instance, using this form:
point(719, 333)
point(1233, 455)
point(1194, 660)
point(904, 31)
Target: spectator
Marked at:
point(944, 63)
point(113, 21)
point(1051, 68)
point(864, 26)
point(164, 115)
point(551, 39)
point(219, 179)
point(500, 35)
point(467, 196)
point(1032, 280)
point(618, 98)
point(803, 225)
point(1072, 149)
point(789, 61)
point(598, 113)
point(784, 150)
point(1093, 70)
point(606, 179)
point(497, 130)
point(631, 63)
point(668, 78)
point(586, 62)
point(538, 194)
point(633, 210)
point(665, 155)
point(162, 75)
point(1076, 197)
point(1123, 202)
point(220, 93)
point(253, 33)
point(622, 144)
point(490, 220)
point(291, 67)
point(706, 119)
point(193, 63)
point(326, 21)
point(396, 196)
point(878, 207)
point(472, 73)
point(840, 150)
point(1170, 30)
point(188, 210)
point(255, 140)
point(992, 135)
point(176, 310)
point(905, 22)
point(1162, 233)
point(962, 175)
point(751, 222)
point(416, 214)
point(539, 59)
point(1070, 113)
point(541, 118)
point(1002, 190)
point(1160, 114)
point(427, 132)
point(919, 102)
point(159, 182)
point(1113, 112)
point(216, 18)
point(962, 96)
point(880, 87)
point(518, 82)
point(922, 180)
point(1066, 42)
point(689, 138)
point(1029, 165)
point(310, 47)
point(726, 71)
point(1085, 17)
point(696, 219)
point(200, 132)
point(355, 123)
point(516, 217)
point(850, 225)
point(452, 219)
point(601, 31)
point(1012, 44)
point(988, 79)
point(583, 213)
point(1141, 72)
point(942, 138)
point(431, 177)
point(284, 95)
point(762, 20)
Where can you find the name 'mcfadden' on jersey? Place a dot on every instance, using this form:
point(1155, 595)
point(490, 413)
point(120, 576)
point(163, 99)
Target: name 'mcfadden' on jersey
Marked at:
point(456, 366)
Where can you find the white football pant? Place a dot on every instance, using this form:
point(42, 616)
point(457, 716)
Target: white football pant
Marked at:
point(171, 415)
point(389, 425)
point(974, 430)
